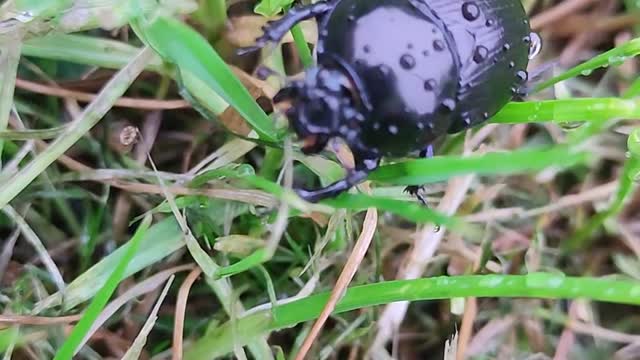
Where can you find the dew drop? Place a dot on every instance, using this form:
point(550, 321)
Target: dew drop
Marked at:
point(467, 121)
point(393, 130)
point(522, 76)
point(425, 52)
point(535, 46)
point(366, 49)
point(351, 17)
point(409, 46)
point(486, 115)
point(384, 70)
point(449, 105)
point(490, 22)
point(480, 54)
point(438, 45)
point(407, 62)
point(430, 84)
point(470, 11)
point(506, 47)
point(512, 64)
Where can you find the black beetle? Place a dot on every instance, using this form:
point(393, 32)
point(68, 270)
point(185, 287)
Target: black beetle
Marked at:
point(392, 76)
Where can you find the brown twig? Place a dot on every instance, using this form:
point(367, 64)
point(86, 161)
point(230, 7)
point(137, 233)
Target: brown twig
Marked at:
point(136, 103)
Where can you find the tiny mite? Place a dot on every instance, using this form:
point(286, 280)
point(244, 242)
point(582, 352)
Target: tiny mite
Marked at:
point(392, 76)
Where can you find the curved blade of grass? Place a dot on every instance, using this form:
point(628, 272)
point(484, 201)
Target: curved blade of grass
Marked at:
point(439, 168)
point(568, 110)
point(182, 46)
point(613, 57)
point(71, 344)
point(159, 241)
point(536, 285)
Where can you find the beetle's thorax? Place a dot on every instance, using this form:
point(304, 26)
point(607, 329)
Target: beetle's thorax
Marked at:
point(322, 107)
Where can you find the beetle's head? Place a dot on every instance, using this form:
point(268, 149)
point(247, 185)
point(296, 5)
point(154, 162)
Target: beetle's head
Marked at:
point(322, 106)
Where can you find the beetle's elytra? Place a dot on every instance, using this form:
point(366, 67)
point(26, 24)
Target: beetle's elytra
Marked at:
point(392, 76)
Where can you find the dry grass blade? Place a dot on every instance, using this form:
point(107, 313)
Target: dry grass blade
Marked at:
point(350, 268)
point(135, 350)
point(133, 103)
point(181, 307)
point(6, 320)
point(35, 241)
point(144, 287)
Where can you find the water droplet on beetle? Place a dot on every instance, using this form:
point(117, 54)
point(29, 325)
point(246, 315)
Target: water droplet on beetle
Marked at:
point(535, 45)
point(425, 52)
point(409, 46)
point(480, 54)
point(430, 84)
point(512, 64)
point(407, 62)
point(384, 70)
point(486, 115)
point(522, 76)
point(467, 121)
point(490, 22)
point(393, 130)
point(506, 47)
point(449, 105)
point(470, 11)
point(351, 17)
point(366, 49)
point(438, 45)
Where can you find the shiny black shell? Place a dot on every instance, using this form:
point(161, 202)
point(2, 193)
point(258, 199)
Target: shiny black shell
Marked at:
point(424, 68)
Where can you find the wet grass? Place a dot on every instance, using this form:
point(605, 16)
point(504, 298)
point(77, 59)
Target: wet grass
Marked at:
point(533, 217)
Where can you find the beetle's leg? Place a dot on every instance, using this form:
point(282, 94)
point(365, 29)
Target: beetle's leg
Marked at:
point(415, 190)
point(363, 167)
point(275, 30)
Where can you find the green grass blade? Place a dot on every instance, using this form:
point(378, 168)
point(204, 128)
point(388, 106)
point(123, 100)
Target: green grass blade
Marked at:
point(83, 49)
point(613, 57)
point(182, 46)
point(301, 45)
point(569, 110)
point(32, 134)
point(160, 240)
point(439, 168)
point(9, 58)
point(71, 344)
point(535, 285)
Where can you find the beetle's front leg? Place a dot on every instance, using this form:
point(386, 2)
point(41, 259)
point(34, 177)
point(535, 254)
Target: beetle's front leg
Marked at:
point(363, 167)
point(415, 190)
point(275, 30)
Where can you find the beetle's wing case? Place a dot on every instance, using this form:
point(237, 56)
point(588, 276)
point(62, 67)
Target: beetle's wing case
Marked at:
point(492, 42)
point(399, 57)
